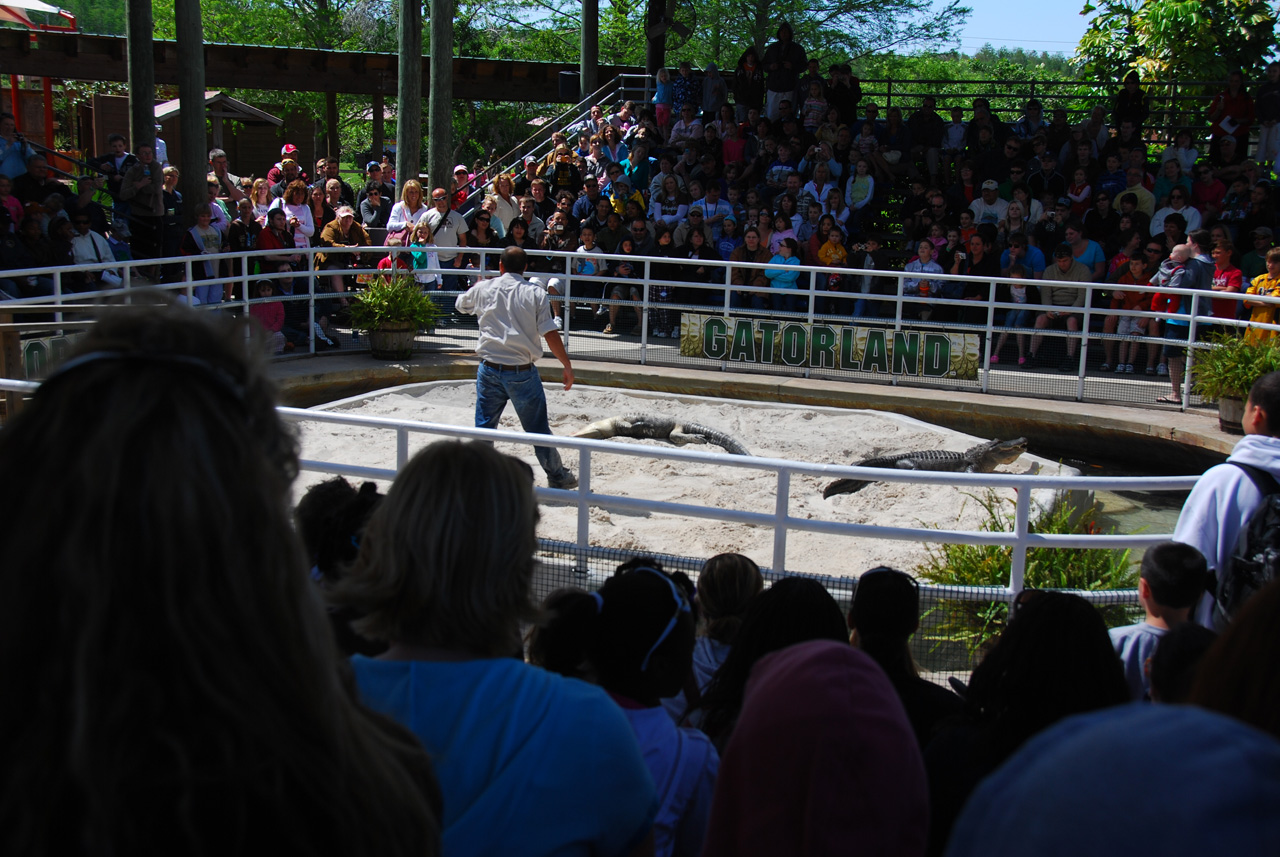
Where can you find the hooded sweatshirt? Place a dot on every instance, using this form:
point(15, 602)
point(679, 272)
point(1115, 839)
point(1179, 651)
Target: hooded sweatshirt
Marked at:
point(1220, 505)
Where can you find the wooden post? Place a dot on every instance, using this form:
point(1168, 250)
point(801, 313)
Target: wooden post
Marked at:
point(589, 65)
point(379, 127)
point(409, 94)
point(331, 124)
point(142, 74)
point(194, 165)
point(440, 107)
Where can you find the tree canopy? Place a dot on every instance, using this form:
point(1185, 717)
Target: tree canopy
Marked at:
point(1184, 39)
point(721, 29)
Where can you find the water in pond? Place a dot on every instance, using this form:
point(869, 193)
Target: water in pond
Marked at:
point(1132, 512)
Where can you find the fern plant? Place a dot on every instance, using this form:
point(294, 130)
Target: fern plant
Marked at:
point(974, 623)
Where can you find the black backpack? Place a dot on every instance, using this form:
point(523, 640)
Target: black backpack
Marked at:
point(1255, 562)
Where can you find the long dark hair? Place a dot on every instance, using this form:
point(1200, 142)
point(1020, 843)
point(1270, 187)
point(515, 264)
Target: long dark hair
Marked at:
point(169, 675)
point(1053, 660)
point(793, 610)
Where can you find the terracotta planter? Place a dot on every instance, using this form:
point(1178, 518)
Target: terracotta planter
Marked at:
point(1230, 414)
point(393, 341)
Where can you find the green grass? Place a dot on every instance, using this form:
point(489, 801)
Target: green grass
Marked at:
point(974, 623)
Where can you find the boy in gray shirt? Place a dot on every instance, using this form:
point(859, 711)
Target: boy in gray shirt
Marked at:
point(1174, 576)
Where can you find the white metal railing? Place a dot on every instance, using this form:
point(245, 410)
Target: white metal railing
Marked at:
point(780, 520)
point(714, 297)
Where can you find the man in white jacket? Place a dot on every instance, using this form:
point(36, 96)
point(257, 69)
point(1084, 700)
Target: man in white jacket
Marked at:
point(90, 248)
point(1226, 496)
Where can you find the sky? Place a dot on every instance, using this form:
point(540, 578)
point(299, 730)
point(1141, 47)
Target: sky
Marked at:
point(1041, 25)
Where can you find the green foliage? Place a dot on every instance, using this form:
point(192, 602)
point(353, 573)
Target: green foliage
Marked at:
point(104, 17)
point(838, 30)
point(942, 74)
point(974, 623)
point(1234, 362)
point(392, 299)
point(1196, 40)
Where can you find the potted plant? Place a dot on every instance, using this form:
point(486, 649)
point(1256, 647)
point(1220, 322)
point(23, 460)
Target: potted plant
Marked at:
point(390, 311)
point(1226, 370)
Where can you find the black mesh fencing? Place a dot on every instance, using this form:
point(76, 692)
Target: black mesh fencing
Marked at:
point(957, 623)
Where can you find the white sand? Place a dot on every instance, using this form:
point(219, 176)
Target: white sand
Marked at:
point(813, 434)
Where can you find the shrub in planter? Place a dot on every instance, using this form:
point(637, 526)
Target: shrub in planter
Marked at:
point(1226, 371)
point(391, 310)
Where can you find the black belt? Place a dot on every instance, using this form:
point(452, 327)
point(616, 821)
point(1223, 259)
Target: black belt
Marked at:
point(500, 368)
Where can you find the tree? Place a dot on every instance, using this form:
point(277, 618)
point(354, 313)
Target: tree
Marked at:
point(1176, 39)
point(721, 29)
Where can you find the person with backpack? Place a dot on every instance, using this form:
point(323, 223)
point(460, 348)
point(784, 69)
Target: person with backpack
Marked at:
point(1225, 516)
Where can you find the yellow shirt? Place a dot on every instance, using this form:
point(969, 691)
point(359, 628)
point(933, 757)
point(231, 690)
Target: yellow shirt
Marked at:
point(1266, 286)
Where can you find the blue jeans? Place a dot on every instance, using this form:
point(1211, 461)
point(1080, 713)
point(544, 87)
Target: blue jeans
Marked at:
point(524, 390)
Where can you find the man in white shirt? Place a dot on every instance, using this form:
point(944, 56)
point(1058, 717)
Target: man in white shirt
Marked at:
point(449, 229)
point(989, 208)
point(512, 314)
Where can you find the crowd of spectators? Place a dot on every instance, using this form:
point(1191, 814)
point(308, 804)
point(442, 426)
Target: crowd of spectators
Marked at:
point(172, 675)
point(773, 164)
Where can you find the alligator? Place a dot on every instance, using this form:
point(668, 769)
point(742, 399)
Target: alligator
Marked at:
point(983, 458)
point(661, 428)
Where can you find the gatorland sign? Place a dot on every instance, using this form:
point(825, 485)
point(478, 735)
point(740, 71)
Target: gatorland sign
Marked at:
point(764, 341)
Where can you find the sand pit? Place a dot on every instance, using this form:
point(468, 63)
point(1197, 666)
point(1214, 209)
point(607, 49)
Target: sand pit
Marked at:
point(821, 435)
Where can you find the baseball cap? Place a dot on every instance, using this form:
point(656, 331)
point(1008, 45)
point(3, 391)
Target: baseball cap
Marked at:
point(1062, 200)
point(371, 165)
point(531, 160)
point(288, 149)
point(288, 161)
point(990, 184)
point(460, 168)
point(1264, 231)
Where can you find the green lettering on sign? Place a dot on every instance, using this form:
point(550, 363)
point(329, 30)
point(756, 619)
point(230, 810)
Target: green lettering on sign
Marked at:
point(822, 351)
point(876, 356)
point(795, 343)
point(937, 355)
point(848, 347)
point(714, 331)
point(906, 352)
point(743, 349)
point(768, 335)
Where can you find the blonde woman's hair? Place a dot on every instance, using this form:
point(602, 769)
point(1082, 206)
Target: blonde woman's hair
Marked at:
point(413, 184)
point(447, 559)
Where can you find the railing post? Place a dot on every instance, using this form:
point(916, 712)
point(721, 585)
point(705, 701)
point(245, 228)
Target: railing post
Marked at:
point(1186, 365)
point(566, 308)
point(987, 346)
point(780, 521)
point(311, 303)
point(1018, 559)
point(584, 508)
point(1084, 342)
point(644, 311)
point(402, 448)
point(57, 295)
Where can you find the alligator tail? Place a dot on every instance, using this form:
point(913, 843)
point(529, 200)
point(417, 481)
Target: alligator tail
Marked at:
point(727, 443)
point(844, 486)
